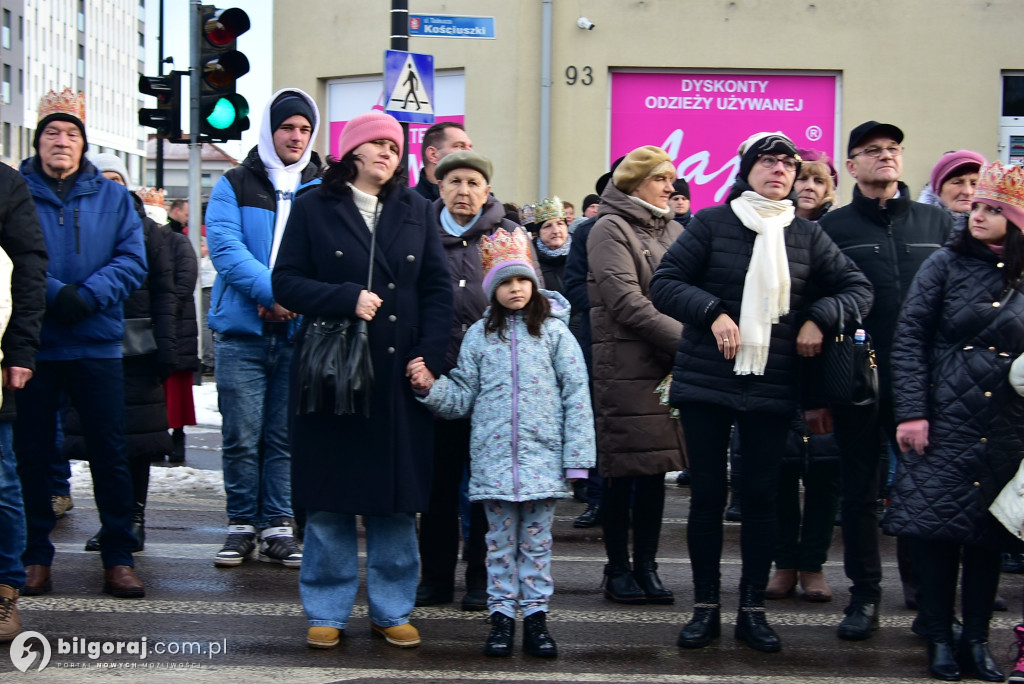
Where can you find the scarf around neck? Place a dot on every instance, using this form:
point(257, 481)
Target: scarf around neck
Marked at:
point(554, 253)
point(452, 227)
point(766, 288)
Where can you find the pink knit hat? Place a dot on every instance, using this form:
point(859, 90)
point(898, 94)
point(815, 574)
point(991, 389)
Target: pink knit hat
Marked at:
point(953, 164)
point(367, 127)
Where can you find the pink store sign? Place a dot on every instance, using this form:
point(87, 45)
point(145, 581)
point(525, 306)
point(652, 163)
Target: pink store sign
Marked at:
point(416, 132)
point(701, 119)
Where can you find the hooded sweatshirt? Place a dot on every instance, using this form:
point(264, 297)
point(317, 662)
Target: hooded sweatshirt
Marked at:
point(285, 179)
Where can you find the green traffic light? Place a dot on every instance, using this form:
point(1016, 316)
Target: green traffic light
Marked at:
point(223, 115)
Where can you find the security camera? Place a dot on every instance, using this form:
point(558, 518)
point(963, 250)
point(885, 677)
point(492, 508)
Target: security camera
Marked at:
point(585, 24)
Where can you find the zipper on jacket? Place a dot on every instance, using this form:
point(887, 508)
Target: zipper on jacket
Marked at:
point(892, 248)
point(515, 411)
point(78, 235)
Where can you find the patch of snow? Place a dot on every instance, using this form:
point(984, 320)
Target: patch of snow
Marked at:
point(205, 398)
point(174, 480)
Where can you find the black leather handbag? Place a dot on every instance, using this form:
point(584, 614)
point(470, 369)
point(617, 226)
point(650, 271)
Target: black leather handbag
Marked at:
point(850, 372)
point(335, 369)
point(138, 337)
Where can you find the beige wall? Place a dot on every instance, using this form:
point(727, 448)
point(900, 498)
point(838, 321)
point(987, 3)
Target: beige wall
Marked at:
point(932, 67)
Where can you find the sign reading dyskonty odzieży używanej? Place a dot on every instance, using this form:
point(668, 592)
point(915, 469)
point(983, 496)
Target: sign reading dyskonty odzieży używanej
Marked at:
point(700, 119)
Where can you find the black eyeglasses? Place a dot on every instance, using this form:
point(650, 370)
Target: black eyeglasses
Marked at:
point(875, 151)
point(769, 161)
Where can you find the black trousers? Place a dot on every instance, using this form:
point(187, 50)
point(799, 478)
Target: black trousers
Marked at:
point(936, 566)
point(439, 526)
point(861, 432)
point(636, 502)
point(763, 436)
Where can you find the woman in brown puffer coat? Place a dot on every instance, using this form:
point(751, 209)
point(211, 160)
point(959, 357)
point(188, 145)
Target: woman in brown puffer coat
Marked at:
point(638, 441)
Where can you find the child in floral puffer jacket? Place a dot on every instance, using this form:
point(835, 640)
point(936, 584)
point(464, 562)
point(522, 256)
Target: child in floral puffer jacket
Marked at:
point(521, 374)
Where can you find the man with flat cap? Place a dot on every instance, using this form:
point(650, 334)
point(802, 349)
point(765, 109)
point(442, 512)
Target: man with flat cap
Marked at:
point(888, 236)
point(245, 222)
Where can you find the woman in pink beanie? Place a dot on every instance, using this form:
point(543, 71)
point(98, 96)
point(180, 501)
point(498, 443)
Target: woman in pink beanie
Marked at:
point(375, 463)
point(952, 183)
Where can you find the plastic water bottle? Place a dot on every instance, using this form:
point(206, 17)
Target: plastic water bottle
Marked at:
point(860, 337)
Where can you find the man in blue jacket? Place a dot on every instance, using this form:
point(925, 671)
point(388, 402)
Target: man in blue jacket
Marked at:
point(245, 221)
point(96, 259)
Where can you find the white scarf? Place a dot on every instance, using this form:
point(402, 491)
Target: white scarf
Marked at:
point(285, 179)
point(767, 284)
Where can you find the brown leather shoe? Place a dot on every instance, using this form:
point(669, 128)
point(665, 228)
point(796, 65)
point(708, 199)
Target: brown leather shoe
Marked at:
point(122, 582)
point(782, 584)
point(815, 588)
point(10, 621)
point(37, 581)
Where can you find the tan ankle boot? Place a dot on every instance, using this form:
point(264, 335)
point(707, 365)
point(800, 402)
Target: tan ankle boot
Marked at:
point(782, 584)
point(10, 621)
point(815, 588)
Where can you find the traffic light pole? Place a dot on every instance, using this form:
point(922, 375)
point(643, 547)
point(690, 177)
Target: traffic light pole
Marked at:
point(160, 72)
point(196, 220)
point(400, 41)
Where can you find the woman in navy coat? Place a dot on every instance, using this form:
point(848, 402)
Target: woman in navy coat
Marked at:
point(377, 466)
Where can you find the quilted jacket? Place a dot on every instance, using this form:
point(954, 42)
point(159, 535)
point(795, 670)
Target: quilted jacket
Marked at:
point(976, 420)
point(531, 407)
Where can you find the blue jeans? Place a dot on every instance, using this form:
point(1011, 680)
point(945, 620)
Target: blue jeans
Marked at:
point(12, 512)
point(329, 577)
point(252, 393)
point(96, 390)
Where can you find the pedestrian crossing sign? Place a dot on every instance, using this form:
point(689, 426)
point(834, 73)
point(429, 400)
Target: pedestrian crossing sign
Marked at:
point(409, 86)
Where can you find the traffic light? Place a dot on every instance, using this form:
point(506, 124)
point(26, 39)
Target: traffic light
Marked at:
point(166, 118)
point(223, 113)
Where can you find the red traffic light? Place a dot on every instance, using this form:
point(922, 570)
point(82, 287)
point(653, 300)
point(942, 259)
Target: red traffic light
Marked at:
point(224, 69)
point(222, 27)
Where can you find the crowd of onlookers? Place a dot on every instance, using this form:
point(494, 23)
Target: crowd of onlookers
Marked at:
point(442, 367)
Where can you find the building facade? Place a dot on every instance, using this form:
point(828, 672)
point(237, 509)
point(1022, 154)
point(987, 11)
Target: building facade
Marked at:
point(215, 163)
point(695, 77)
point(90, 46)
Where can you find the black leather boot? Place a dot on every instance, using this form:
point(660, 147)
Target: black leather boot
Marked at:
point(503, 632)
point(139, 527)
point(177, 446)
point(751, 624)
point(93, 543)
point(974, 656)
point(942, 660)
point(706, 623)
point(646, 575)
point(536, 640)
point(620, 586)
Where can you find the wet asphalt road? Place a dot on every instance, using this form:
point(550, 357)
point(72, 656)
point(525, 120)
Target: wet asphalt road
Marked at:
point(248, 625)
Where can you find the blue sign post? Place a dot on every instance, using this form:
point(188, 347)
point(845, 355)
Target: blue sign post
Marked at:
point(409, 86)
point(450, 26)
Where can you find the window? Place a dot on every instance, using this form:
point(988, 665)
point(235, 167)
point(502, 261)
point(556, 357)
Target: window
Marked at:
point(21, 81)
point(5, 32)
point(142, 47)
point(81, 61)
point(7, 139)
point(1013, 95)
point(206, 180)
point(7, 84)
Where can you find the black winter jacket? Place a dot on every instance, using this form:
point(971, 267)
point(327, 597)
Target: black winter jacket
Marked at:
point(702, 276)
point(465, 269)
point(575, 279)
point(888, 243)
point(22, 239)
point(186, 271)
point(976, 419)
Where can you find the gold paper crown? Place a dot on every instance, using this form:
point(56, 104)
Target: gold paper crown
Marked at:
point(65, 102)
point(503, 247)
point(1002, 184)
point(154, 197)
point(547, 209)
